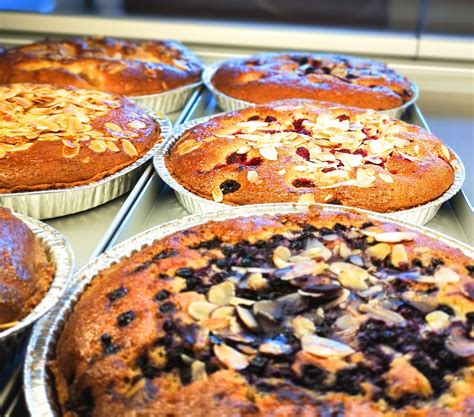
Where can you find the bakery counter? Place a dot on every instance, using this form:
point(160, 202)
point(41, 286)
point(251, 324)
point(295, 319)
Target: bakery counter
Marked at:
point(156, 204)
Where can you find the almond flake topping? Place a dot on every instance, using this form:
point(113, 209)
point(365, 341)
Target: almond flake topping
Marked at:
point(49, 114)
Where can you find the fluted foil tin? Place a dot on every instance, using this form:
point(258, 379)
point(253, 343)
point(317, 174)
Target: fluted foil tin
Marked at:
point(197, 205)
point(59, 202)
point(228, 103)
point(168, 101)
point(60, 253)
point(39, 394)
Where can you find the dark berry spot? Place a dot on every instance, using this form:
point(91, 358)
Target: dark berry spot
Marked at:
point(107, 346)
point(313, 376)
point(168, 326)
point(255, 117)
point(164, 254)
point(360, 151)
point(302, 182)
point(470, 270)
point(229, 186)
point(126, 318)
point(303, 152)
point(328, 169)
point(254, 162)
point(270, 119)
point(366, 225)
point(309, 70)
point(236, 158)
point(162, 295)
point(115, 295)
point(342, 117)
point(185, 272)
point(167, 308)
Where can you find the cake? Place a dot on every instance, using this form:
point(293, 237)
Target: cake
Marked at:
point(25, 270)
point(339, 79)
point(53, 137)
point(123, 67)
point(306, 151)
point(304, 314)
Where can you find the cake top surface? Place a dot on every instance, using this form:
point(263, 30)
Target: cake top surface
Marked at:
point(268, 315)
point(306, 151)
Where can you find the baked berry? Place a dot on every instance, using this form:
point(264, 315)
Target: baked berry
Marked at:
point(303, 183)
point(126, 318)
point(229, 186)
point(116, 294)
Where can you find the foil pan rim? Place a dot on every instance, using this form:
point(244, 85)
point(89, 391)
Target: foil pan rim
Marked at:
point(168, 92)
point(60, 252)
point(38, 391)
point(166, 130)
point(160, 166)
point(211, 69)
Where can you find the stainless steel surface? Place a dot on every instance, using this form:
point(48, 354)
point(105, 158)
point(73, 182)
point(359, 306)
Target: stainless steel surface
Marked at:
point(40, 397)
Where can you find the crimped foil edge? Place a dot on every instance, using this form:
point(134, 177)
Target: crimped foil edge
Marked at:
point(167, 101)
point(40, 398)
point(228, 103)
point(195, 204)
point(59, 202)
point(59, 251)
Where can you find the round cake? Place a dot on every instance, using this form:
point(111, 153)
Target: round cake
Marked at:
point(339, 79)
point(52, 137)
point(122, 67)
point(25, 270)
point(299, 150)
point(304, 314)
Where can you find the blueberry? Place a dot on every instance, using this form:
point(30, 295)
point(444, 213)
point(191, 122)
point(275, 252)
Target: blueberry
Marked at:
point(115, 295)
point(229, 186)
point(126, 318)
point(184, 272)
point(167, 308)
point(162, 295)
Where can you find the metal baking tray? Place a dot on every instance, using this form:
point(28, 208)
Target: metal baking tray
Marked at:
point(156, 204)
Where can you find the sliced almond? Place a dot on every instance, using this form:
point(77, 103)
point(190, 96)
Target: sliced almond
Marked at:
point(230, 357)
point(349, 275)
point(198, 371)
point(307, 198)
point(221, 294)
point(379, 251)
point(235, 301)
point(217, 195)
point(302, 326)
point(269, 152)
point(223, 312)
point(136, 125)
point(386, 178)
point(325, 348)
point(113, 126)
point(247, 318)
point(275, 348)
point(129, 148)
point(252, 176)
point(219, 323)
point(188, 146)
point(201, 310)
point(437, 320)
point(399, 256)
point(445, 152)
point(382, 313)
point(390, 237)
point(97, 146)
point(256, 282)
point(446, 275)
point(281, 255)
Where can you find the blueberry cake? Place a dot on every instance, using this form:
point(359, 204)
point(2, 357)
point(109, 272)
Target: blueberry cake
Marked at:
point(25, 270)
point(307, 314)
point(124, 67)
point(53, 137)
point(301, 150)
point(339, 79)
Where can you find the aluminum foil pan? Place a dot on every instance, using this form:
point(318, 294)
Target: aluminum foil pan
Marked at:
point(197, 205)
point(39, 394)
point(60, 253)
point(168, 101)
point(59, 202)
point(228, 103)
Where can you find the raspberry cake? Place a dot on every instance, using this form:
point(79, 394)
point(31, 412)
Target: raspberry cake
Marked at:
point(52, 137)
point(300, 150)
point(123, 67)
point(335, 78)
point(25, 271)
point(303, 314)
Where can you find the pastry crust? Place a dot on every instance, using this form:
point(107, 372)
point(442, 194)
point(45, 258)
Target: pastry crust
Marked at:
point(301, 150)
point(25, 271)
point(219, 320)
point(124, 67)
point(52, 137)
point(339, 79)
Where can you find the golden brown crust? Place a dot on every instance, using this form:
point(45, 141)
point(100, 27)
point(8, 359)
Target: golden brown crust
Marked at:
point(64, 137)
point(25, 271)
point(300, 150)
point(136, 342)
point(124, 67)
point(339, 79)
